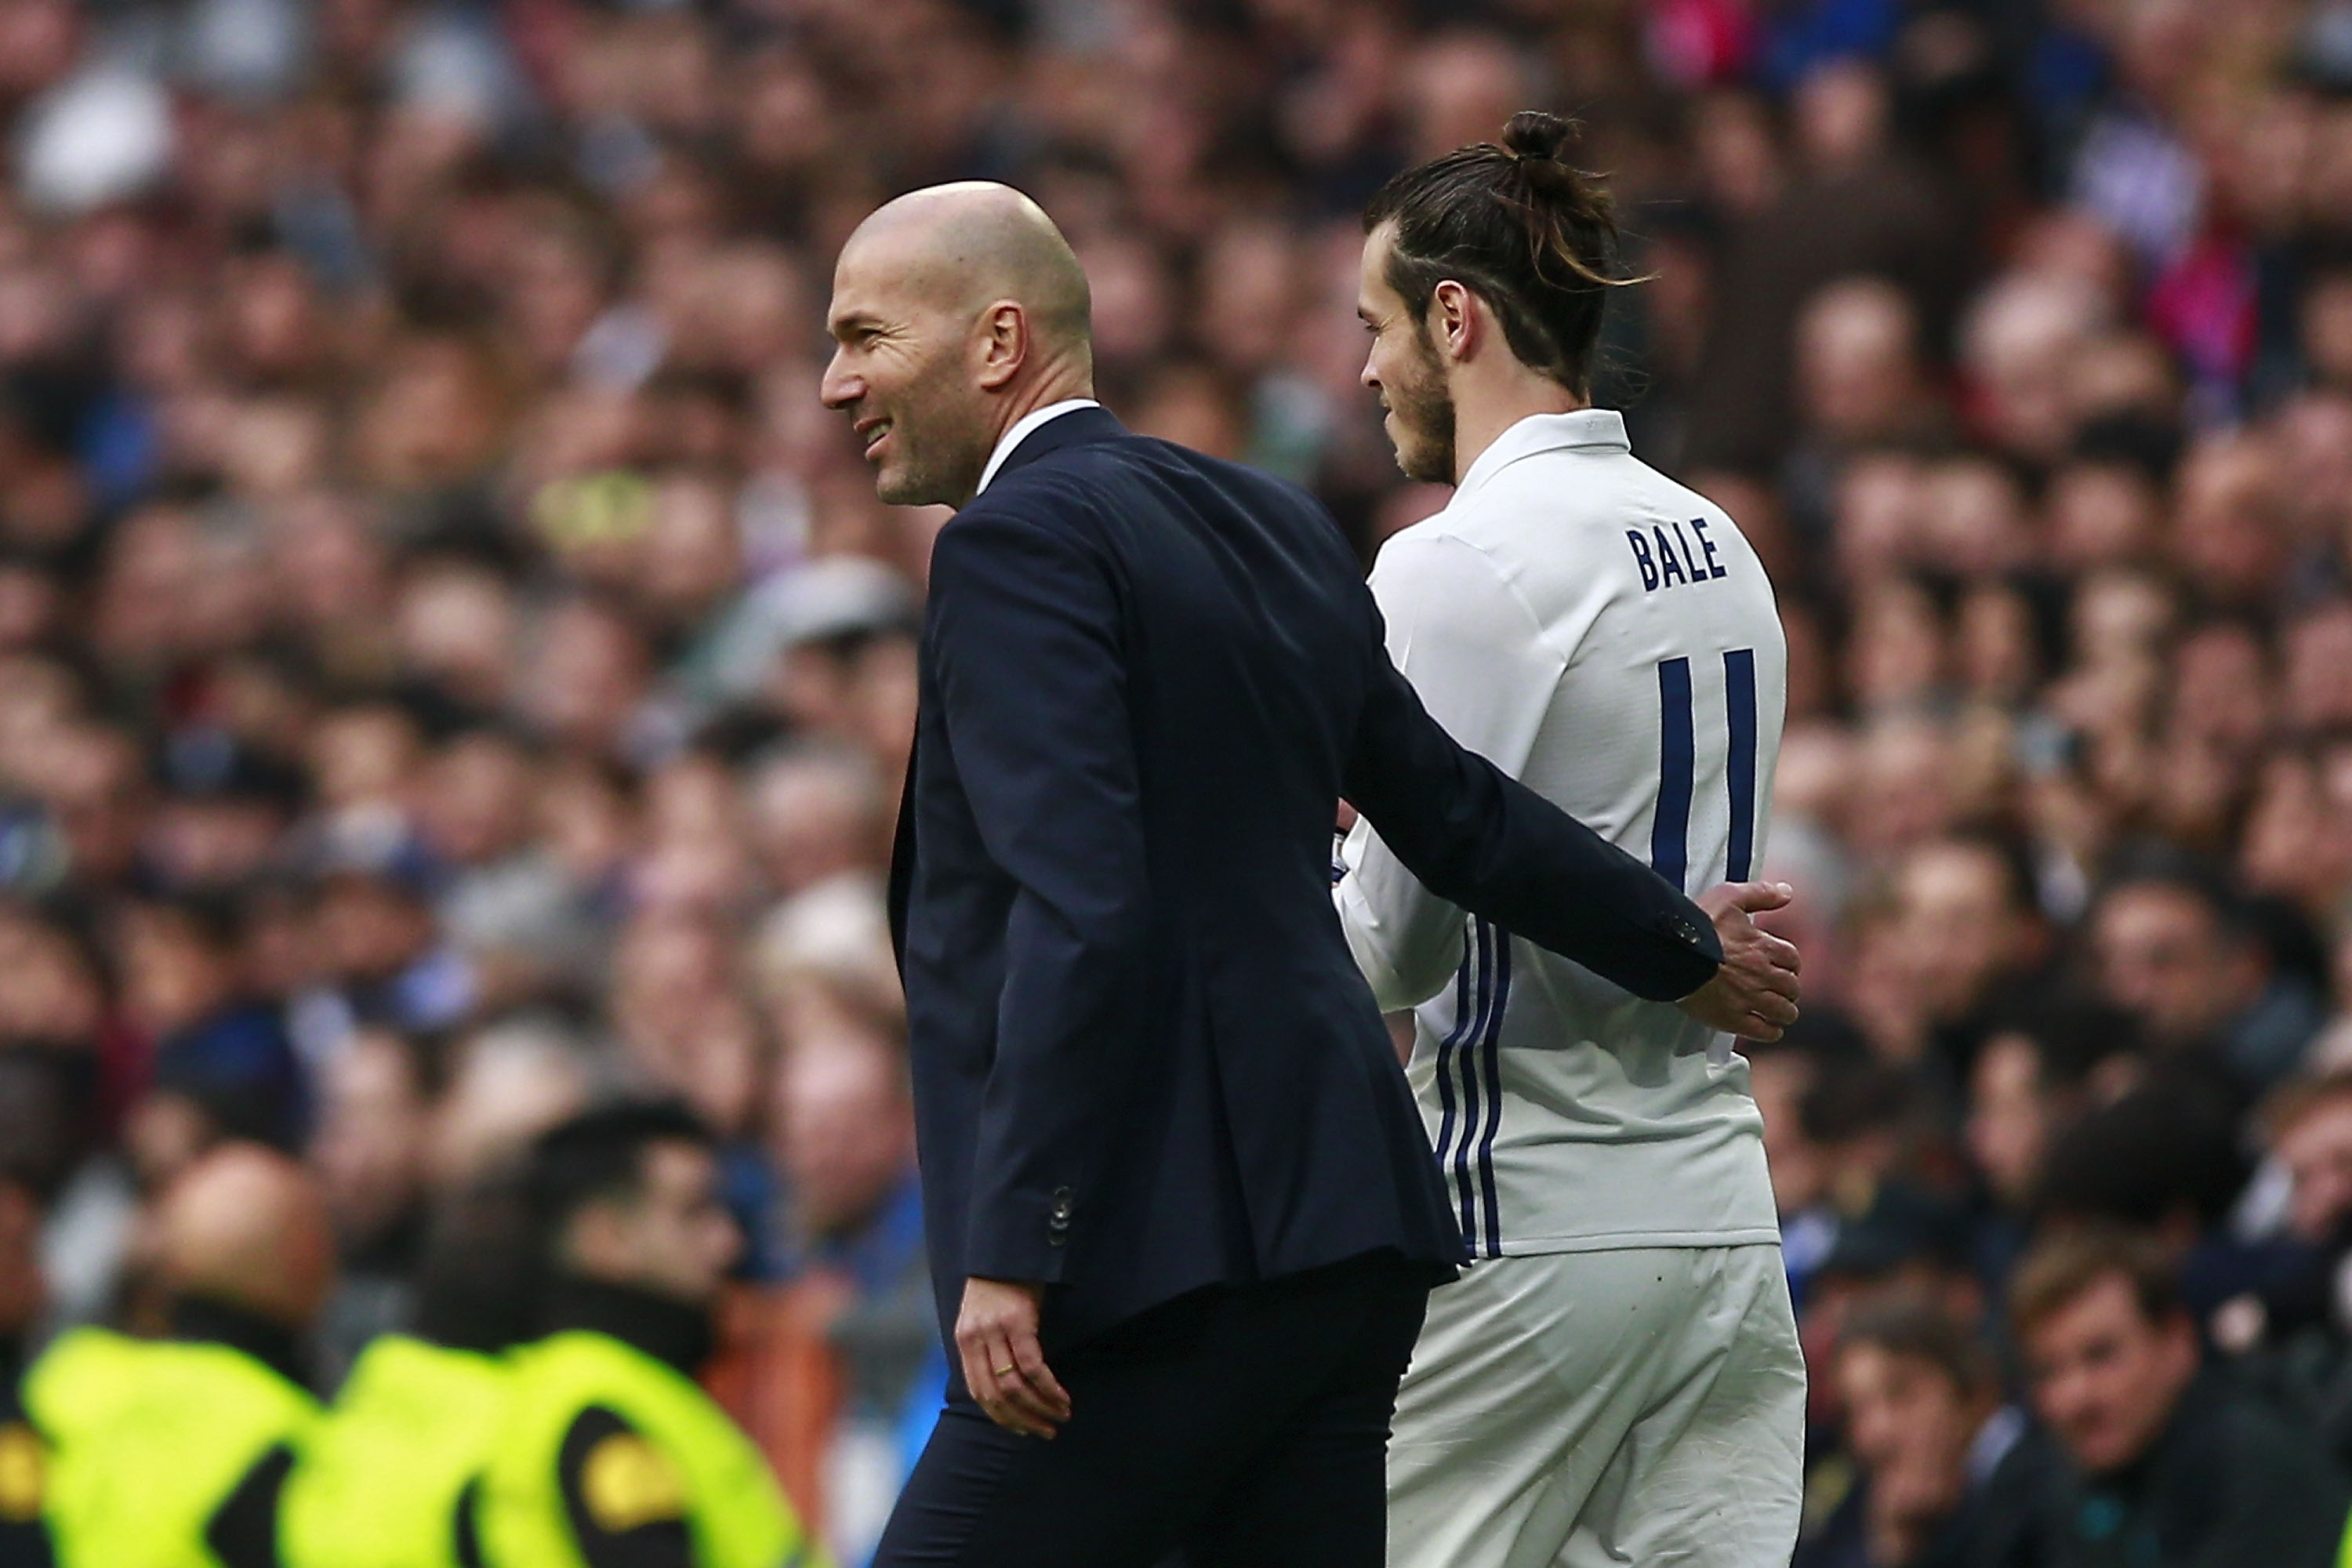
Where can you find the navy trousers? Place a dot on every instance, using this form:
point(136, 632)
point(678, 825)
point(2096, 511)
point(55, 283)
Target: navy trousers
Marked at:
point(1233, 1427)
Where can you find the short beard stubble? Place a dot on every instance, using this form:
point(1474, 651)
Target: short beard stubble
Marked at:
point(1424, 416)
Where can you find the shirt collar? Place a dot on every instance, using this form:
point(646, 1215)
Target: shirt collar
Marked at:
point(1592, 429)
point(1021, 430)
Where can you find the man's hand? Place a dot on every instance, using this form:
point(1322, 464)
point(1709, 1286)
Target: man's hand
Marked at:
point(1004, 1365)
point(1754, 994)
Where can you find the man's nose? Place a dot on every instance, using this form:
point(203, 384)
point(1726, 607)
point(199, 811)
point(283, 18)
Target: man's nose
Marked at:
point(837, 389)
point(1368, 375)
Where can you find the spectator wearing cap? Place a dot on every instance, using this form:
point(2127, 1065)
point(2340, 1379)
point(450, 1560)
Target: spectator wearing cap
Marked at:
point(2152, 1460)
point(1924, 1428)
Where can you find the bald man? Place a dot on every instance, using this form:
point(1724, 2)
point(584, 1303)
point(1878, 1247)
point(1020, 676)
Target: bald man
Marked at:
point(1181, 1215)
point(175, 1450)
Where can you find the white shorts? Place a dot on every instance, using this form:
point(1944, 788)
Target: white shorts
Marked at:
point(1641, 1405)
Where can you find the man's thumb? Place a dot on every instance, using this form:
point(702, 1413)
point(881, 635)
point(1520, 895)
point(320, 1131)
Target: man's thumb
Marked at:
point(1755, 898)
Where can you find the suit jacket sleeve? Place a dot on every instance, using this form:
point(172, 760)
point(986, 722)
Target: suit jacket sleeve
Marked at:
point(1032, 680)
point(1481, 839)
point(1480, 662)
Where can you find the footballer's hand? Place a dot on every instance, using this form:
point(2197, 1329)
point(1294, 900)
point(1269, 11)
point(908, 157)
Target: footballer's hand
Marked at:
point(1004, 1365)
point(1754, 992)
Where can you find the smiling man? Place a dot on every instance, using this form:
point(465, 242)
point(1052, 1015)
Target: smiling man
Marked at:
point(1181, 1218)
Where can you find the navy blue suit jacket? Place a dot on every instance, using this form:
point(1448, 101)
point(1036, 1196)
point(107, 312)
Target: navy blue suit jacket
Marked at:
point(1144, 1062)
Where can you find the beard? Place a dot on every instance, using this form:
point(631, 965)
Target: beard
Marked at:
point(1424, 412)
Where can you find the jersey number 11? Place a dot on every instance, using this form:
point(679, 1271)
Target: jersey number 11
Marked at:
point(1678, 766)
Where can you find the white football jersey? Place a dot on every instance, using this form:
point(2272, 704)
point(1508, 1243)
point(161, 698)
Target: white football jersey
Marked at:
point(1607, 636)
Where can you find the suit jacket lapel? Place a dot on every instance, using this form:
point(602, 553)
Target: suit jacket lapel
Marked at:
point(902, 855)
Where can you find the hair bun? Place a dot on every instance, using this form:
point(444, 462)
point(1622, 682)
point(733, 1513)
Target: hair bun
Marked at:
point(1534, 135)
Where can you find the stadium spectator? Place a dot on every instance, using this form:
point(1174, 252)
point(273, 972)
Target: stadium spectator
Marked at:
point(610, 1452)
point(1925, 1429)
point(200, 1428)
point(2185, 956)
point(2156, 1460)
point(2043, 1066)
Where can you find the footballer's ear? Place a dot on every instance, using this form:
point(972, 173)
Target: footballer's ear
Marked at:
point(1453, 326)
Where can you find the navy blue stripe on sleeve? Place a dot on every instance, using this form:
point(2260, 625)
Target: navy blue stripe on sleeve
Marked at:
point(1470, 1077)
point(1466, 980)
point(1740, 696)
point(1494, 1064)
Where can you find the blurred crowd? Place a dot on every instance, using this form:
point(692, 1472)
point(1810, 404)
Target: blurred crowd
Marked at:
point(452, 671)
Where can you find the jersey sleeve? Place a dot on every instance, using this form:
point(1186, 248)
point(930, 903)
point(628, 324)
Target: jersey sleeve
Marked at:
point(1484, 667)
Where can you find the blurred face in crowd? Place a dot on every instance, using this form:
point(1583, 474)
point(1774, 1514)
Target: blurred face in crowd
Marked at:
point(1856, 368)
point(2010, 1117)
point(2318, 655)
point(2164, 954)
point(174, 976)
point(1959, 924)
point(847, 1129)
point(816, 816)
point(2104, 1377)
point(1910, 1425)
point(672, 1237)
point(369, 928)
point(477, 803)
point(211, 841)
point(370, 1145)
point(510, 1085)
point(2223, 530)
point(2316, 1150)
point(53, 996)
point(2101, 514)
point(1403, 369)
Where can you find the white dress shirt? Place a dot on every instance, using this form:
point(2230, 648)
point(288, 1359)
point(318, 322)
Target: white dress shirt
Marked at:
point(1020, 433)
point(1608, 637)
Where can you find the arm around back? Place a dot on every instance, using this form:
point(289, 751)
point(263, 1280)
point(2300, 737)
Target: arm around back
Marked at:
point(1481, 839)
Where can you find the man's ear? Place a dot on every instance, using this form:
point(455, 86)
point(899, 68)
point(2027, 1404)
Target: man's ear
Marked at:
point(1004, 342)
point(1454, 325)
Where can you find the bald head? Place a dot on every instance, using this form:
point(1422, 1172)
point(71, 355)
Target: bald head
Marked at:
point(248, 1226)
point(956, 309)
point(964, 246)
